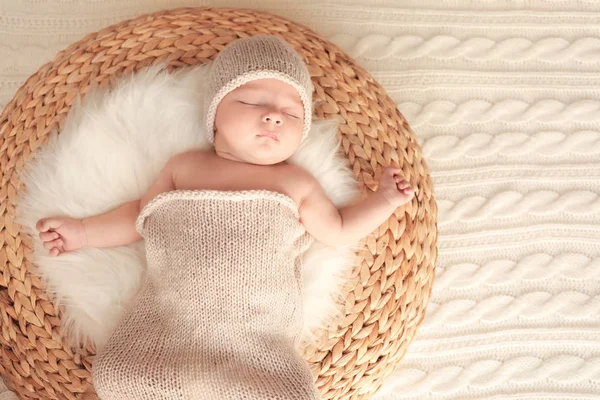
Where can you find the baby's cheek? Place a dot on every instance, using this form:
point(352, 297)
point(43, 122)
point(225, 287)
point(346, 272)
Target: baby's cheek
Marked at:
point(226, 122)
point(233, 128)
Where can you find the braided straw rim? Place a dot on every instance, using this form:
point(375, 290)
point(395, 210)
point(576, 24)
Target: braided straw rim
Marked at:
point(390, 283)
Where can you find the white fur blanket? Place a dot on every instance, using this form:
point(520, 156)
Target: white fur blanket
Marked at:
point(110, 150)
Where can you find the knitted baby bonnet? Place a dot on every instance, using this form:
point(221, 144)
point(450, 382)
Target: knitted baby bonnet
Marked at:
point(251, 58)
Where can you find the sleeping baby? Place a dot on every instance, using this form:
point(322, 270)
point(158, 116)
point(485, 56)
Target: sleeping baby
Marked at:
point(219, 311)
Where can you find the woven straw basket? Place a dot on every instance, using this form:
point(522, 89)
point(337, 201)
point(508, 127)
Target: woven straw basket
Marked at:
point(391, 280)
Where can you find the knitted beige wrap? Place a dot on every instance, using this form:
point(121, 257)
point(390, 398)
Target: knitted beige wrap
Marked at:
point(219, 313)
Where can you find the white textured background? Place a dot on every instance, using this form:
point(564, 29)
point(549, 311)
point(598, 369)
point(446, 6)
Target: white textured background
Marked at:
point(504, 97)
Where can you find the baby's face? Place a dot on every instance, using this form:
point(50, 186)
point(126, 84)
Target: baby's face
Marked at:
point(260, 122)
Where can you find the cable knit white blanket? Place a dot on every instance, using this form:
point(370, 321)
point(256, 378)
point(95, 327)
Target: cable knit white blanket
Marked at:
point(504, 97)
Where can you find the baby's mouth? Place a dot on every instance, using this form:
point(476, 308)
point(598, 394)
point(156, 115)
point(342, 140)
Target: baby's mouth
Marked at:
point(270, 135)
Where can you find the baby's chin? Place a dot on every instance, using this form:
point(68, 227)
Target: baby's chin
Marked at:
point(261, 150)
point(263, 156)
point(260, 159)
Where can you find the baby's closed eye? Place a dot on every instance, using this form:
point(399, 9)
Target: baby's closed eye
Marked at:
point(293, 114)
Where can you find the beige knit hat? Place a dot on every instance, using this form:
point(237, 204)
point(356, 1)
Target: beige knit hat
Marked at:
point(256, 57)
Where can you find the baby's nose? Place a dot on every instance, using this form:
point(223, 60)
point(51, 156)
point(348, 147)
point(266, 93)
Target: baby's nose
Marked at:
point(273, 117)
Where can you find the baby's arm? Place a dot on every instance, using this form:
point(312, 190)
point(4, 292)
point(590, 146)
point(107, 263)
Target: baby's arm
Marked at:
point(113, 228)
point(349, 224)
point(117, 227)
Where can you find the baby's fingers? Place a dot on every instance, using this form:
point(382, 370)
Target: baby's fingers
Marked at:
point(53, 244)
point(391, 172)
point(45, 224)
point(403, 185)
point(47, 236)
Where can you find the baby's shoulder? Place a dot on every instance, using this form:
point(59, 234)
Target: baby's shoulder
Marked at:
point(298, 180)
point(187, 157)
point(188, 166)
point(190, 160)
point(296, 173)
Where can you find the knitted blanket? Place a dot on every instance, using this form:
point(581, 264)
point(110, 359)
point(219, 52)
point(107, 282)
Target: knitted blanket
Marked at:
point(220, 310)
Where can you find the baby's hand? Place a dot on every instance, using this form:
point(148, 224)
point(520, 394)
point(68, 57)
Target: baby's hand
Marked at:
point(394, 188)
point(61, 234)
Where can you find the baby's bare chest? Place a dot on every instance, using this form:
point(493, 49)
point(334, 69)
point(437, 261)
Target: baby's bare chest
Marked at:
point(196, 173)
